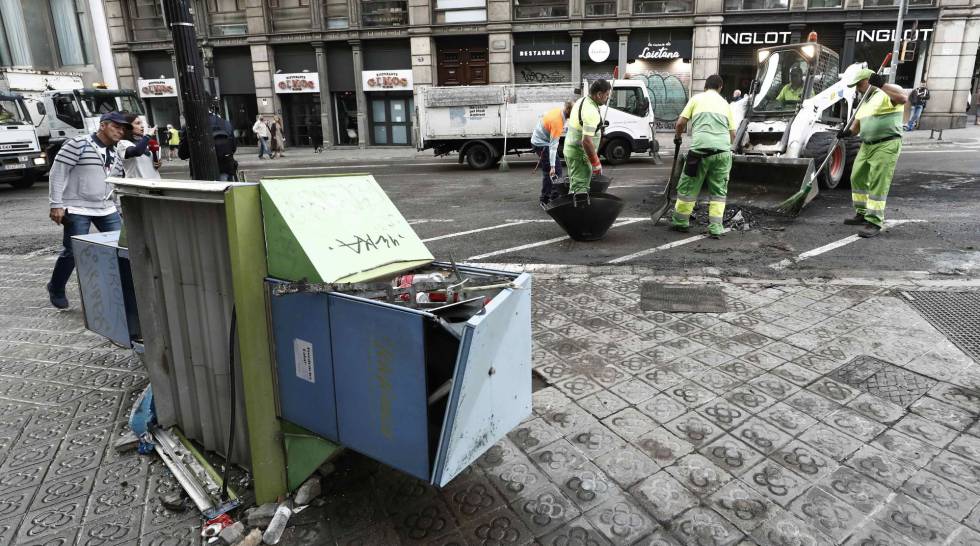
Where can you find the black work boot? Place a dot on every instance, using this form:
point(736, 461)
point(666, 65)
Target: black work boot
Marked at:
point(869, 230)
point(857, 220)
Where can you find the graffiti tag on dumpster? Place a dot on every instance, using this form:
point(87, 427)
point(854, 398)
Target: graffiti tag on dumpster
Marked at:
point(381, 355)
point(368, 242)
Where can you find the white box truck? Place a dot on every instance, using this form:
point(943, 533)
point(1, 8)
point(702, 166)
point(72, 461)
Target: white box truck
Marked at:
point(57, 107)
point(484, 122)
point(22, 161)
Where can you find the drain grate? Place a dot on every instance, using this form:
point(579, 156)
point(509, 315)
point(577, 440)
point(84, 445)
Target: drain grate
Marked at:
point(955, 314)
point(682, 298)
point(884, 380)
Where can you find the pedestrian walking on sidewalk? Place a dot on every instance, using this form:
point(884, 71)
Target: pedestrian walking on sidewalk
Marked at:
point(223, 137)
point(545, 139)
point(276, 137)
point(709, 159)
point(879, 123)
point(80, 196)
point(582, 141)
point(261, 131)
point(137, 160)
point(918, 99)
point(173, 142)
point(163, 136)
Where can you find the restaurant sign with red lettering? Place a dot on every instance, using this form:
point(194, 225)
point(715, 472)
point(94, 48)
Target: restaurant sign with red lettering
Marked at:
point(161, 87)
point(387, 80)
point(296, 82)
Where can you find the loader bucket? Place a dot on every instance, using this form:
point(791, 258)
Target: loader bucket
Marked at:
point(585, 219)
point(777, 184)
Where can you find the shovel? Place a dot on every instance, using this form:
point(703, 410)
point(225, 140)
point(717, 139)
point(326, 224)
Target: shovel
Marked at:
point(662, 202)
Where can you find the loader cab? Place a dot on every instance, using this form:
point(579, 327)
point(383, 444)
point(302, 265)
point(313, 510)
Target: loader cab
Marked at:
point(788, 75)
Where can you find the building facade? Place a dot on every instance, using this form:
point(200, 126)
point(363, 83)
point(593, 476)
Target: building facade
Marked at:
point(57, 35)
point(342, 72)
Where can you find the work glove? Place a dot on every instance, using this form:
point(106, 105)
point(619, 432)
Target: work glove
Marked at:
point(844, 133)
point(678, 140)
point(596, 166)
point(876, 80)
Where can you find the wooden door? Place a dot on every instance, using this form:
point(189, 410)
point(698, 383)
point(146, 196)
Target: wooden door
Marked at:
point(464, 66)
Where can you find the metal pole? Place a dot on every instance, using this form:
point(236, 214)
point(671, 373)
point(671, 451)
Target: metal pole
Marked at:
point(194, 98)
point(896, 46)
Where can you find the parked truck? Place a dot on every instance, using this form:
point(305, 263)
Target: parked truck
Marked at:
point(483, 123)
point(57, 107)
point(22, 161)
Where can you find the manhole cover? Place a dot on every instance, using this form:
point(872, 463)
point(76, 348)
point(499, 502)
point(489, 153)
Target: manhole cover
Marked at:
point(682, 298)
point(884, 380)
point(955, 314)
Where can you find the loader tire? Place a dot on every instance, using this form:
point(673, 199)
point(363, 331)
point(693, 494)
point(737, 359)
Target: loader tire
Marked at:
point(817, 147)
point(851, 147)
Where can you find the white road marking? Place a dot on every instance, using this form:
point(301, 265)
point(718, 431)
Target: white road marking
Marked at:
point(783, 264)
point(667, 246)
point(471, 231)
point(548, 242)
point(429, 221)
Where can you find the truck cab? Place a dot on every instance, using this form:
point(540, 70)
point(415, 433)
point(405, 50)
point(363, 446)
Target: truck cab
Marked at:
point(21, 160)
point(629, 122)
point(75, 112)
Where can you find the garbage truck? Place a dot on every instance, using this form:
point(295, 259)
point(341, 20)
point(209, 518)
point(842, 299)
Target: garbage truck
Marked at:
point(483, 123)
point(22, 160)
point(60, 107)
point(786, 128)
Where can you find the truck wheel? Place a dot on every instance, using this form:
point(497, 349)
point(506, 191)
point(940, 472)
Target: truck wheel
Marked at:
point(617, 151)
point(817, 148)
point(26, 182)
point(479, 156)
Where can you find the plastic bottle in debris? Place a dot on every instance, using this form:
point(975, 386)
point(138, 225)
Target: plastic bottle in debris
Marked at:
point(408, 280)
point(278, 524)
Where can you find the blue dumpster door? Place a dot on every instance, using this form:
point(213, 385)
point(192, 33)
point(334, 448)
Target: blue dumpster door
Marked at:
point(491, 391)
point(97, 261)
point(301, 327)
point(379, 368)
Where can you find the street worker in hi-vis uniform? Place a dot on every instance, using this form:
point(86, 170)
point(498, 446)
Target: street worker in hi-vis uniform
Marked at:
point(709, 159)
point(582, 140)
point(879, 122)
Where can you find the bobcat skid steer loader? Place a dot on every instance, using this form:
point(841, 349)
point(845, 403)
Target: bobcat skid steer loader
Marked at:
point(786, 127)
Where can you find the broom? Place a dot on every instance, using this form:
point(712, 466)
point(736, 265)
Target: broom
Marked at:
point(794, 204)
point(504, 167)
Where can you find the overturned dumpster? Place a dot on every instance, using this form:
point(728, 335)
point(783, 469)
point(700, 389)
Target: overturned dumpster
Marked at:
point(347, 332)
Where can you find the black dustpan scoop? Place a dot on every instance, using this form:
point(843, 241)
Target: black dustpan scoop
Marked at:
point(585, 217)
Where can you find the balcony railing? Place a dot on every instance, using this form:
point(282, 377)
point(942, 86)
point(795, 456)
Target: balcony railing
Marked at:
point(646, 7)
point(600, 8)
point(821, 4)
point(540, 9)
point(384, 13)
point(749, 5)
point(895, 3)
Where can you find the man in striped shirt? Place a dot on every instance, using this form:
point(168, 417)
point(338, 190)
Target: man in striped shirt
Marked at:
point(79, 195)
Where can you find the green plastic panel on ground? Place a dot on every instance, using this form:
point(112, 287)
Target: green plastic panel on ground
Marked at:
point(305, 452)
point(336, 229)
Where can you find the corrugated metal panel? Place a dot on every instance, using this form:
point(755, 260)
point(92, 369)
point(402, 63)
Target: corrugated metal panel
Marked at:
point(180, 261)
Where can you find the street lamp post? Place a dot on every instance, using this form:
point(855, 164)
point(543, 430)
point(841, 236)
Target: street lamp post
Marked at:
point(194, 98)
point(896, 46)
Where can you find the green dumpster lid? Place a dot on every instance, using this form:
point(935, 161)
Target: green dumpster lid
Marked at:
point(336, 229)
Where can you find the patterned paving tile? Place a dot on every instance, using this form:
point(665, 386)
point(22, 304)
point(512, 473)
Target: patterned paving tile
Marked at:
point(958, 470)
point(662, 408)
point(627, 466)
point(578, 531)
point(775, 482)
point(621, 520)
point(587, 486)
point(880, 466)
point(695, 429)
point(662, 446)
point(634, 391)
point(742, 506)
point(826, 513)
point(785, 529)
point(544, 510)
point(559, 457)
point(699, 474)
point(915, 521)
point(928, 431)
point(788, 419)
point(940, 494)
point(941, 412)
point(731, 454)
point(533, 435)
point(906, 448)
point(705, 526)
point(595, 440)
point(663, 496)
point(501, 527)
point(602, 404)
point(629, 423)
point(830, 441)
point(854, 424)
point(724, 414)
point(761, 435)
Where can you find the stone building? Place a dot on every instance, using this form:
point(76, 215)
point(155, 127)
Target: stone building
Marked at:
point(342, 72)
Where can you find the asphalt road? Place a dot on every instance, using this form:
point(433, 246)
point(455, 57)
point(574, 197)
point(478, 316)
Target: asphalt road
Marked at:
point(493, 217)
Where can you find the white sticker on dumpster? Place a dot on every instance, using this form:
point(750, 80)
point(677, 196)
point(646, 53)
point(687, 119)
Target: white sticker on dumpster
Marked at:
point(303, 355)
